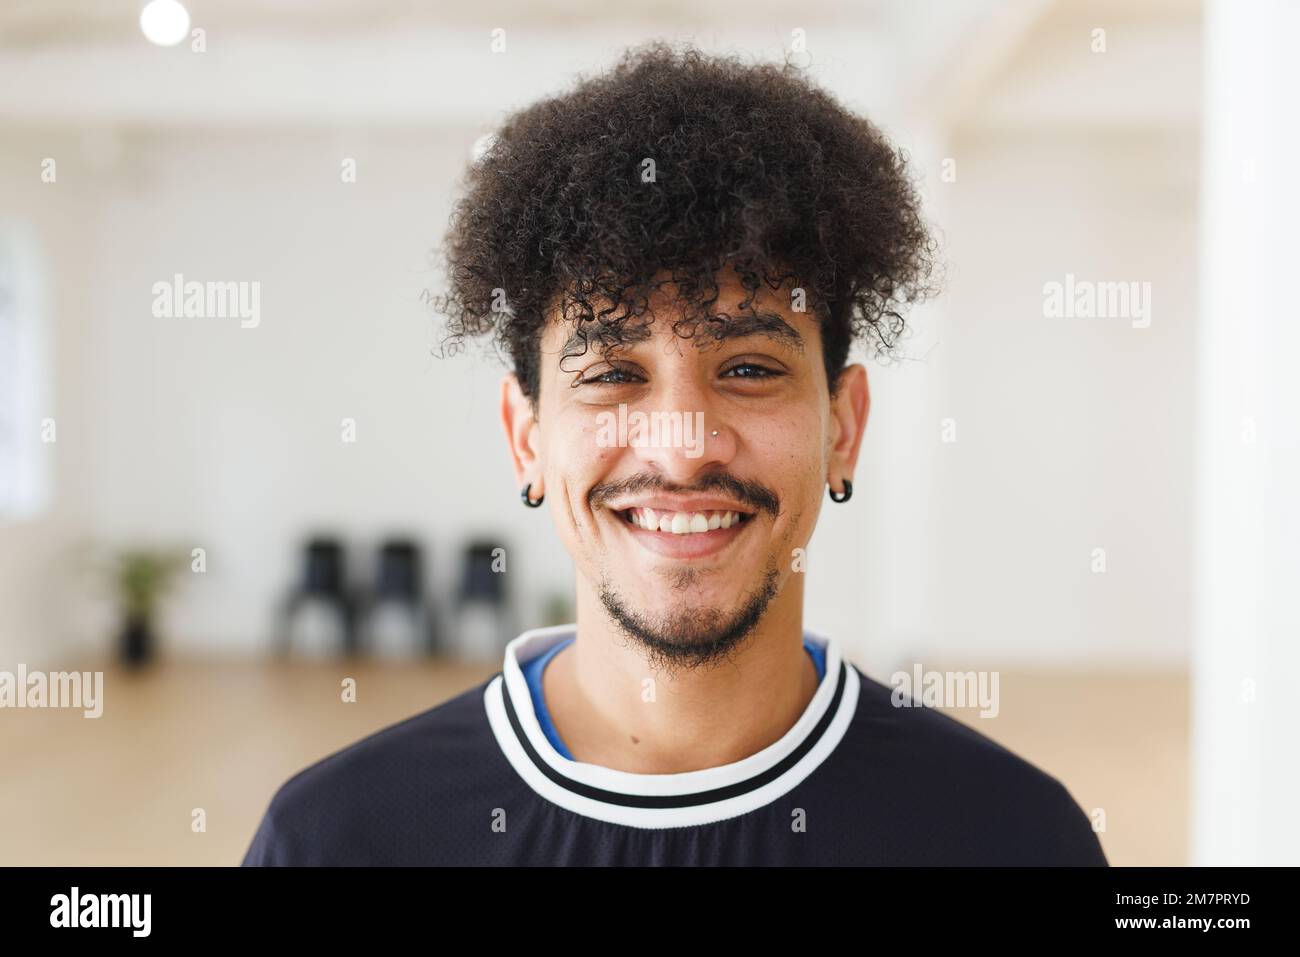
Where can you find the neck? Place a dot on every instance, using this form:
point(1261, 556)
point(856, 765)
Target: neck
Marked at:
point(612, 709)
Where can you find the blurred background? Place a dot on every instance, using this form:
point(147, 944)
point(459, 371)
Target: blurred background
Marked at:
point(231, 516)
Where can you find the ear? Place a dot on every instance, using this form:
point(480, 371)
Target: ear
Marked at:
point(849, 407)
point(520, 422)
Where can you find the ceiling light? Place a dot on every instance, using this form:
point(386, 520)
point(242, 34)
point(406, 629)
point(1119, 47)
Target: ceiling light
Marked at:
point(164, 22)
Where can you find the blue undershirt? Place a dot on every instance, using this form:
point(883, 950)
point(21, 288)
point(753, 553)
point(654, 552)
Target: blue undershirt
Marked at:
point(533, 675)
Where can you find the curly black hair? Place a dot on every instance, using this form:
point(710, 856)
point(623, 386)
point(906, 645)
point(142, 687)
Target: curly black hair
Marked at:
point(680, 162)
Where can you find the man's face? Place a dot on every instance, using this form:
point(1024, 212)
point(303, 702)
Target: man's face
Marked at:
point(685, 536)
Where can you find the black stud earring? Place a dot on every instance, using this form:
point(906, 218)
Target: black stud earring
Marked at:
point(528, 501)
point(842, 496)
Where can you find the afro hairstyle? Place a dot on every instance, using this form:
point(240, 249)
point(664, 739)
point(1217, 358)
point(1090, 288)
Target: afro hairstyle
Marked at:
point(681, 164)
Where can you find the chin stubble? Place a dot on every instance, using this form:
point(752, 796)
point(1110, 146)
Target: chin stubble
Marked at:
point(694, 638)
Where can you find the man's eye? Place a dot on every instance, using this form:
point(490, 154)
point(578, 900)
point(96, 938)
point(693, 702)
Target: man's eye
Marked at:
point(615, 376)
point(751, 370)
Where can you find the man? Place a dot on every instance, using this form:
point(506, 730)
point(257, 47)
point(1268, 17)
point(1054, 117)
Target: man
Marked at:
point(677, 257)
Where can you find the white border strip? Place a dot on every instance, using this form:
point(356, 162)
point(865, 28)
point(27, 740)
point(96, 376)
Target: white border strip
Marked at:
point(643, 784)
point(532, 643)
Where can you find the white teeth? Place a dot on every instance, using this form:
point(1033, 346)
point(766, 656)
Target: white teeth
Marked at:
point(682, 523)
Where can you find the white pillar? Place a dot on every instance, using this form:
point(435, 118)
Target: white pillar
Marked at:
point(1246, 594)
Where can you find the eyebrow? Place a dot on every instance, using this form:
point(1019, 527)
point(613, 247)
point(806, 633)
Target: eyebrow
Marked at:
point(768, 324)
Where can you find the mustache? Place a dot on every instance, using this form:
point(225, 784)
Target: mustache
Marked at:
point(752, 493)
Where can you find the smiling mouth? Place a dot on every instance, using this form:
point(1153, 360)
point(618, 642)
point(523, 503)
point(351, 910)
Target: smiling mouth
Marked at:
point(684, 523)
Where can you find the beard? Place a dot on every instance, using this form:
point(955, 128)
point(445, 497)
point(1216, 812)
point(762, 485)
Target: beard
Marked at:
point(690, 638)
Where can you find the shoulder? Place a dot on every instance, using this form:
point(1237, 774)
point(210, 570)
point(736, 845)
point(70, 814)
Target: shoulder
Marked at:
point(344, 806)
point(958, 781)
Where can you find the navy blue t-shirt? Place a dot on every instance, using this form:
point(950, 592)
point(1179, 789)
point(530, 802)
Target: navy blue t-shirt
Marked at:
point(856, 780)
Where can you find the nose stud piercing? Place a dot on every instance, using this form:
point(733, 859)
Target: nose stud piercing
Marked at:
point(523, 495)
point(842, 496)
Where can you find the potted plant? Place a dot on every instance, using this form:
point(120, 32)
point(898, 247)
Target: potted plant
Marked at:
point(140, 577)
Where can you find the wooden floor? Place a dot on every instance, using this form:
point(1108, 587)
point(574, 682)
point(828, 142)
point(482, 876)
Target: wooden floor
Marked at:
point(222, 736)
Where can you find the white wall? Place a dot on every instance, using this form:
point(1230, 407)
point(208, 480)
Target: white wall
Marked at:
point(1246, 619)
point(1072, 434)
point(199, 432)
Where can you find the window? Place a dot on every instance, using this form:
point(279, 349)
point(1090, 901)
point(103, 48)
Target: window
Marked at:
point(26, 421)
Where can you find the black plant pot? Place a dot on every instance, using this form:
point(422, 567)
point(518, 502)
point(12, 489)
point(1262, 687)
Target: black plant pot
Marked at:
point(137, 641)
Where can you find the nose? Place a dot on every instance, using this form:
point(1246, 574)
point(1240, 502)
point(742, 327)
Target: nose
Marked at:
point(688, 431)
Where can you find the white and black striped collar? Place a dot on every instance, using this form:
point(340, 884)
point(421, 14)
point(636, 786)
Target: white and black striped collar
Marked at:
point(664, 800)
